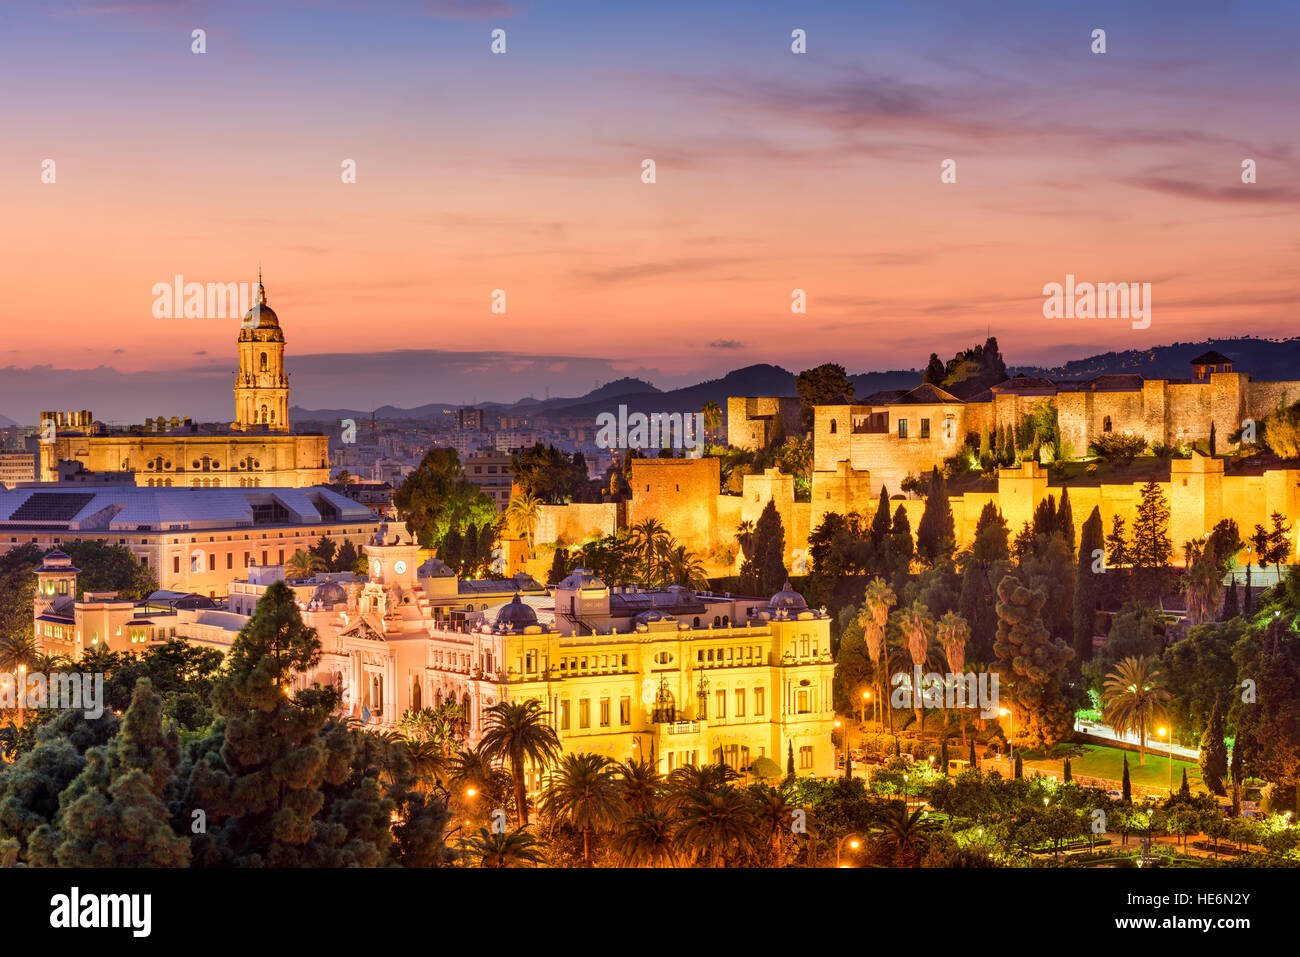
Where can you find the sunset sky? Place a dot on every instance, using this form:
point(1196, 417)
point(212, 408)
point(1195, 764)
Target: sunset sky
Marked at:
point(522, 172)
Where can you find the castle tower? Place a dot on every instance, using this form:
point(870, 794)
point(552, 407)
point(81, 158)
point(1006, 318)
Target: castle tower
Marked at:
point(261, 384)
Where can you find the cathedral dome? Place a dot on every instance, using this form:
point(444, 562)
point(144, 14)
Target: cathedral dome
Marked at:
point(515, 616)
point(261, 316)
point(787, 600)
point(329, 594)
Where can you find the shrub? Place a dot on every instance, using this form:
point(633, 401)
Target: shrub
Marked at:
point(1118, 447)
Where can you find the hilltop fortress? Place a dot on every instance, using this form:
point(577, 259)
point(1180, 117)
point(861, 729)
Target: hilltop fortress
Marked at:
point(860, 446)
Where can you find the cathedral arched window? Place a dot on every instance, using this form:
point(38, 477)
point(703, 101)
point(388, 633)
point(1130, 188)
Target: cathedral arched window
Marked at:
point(263, 363)
point(416, 703)
point(265, 414)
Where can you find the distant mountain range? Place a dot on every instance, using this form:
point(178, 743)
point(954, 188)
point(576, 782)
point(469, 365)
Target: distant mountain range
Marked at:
point(1263, 358)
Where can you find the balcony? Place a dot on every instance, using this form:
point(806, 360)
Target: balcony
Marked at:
point(683, 727)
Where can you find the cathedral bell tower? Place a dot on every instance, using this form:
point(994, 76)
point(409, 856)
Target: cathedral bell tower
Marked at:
point(261, 384)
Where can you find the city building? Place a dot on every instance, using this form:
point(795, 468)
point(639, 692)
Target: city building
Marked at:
point(195, 540)
point(255, 450)
point(490, 471)
point(17, 467)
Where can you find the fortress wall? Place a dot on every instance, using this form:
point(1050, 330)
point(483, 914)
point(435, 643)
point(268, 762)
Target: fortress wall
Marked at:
point(1074, 419)
point(728, 507)
point(830, 448)
point(1261, 398)
point(752, 420)
point(576, 522)
point(680, 493)
point(1190, 411)
point(843, 490)
point(977, 417)
point(771, 485)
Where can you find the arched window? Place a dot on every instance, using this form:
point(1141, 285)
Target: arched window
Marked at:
point(264, 415)
point(416, 704)
point(1105, 425)
point(262, 365)
point(834, 427)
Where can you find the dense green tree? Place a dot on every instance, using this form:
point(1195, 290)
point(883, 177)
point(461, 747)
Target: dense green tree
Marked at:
point(112, 814)
point(1126, 785)
point(765, 573)
point(551, 476)
point(436, 498)
point(519, 732)
point(1065, 519)
point(105, 567)
point(821, 385)
point(934, 371)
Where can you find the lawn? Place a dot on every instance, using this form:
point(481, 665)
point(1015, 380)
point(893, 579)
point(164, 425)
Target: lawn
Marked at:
point(1098, 761)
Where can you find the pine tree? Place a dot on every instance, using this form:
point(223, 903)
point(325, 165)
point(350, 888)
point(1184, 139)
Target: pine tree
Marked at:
point(1126, 786)
point(936, 533)
point(1088, 587)
point(1214, 751)
point(1117, 549)
point(112, 814)
point(1031, 662)
point(260, 772)
point(1151, 545)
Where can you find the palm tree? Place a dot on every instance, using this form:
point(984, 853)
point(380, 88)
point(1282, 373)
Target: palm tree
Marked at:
point(646, 839)
point(878, 599)
point(1134, 697)
point(583, 793)
point(688, 778)
point(522, 515)
point(650, 540)
point(474, 768)
point(17, 650)
point(953, 633)
point(428, 763)
point(682, 567)
point(745, 537)
point(303, 564)
point(902, 836)
point(515, 848)
point(1202, 586)
point(712, 418)
point(639, 783)
point(772, 815)
point(916, 625)
point(518, 731)
point(715, 824)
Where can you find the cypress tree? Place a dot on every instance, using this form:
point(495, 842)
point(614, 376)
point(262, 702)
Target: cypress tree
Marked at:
point(1184, 791)
point(1065, 518)
point(1126, 786)
point(559, 567)
point(936, 533)
point(1067, 775)
point(900, 540)
point(789, 759)
point(1230, 607)
point(1250, 599)
point(1213, 441)
point(1088, 587)
point(971, 757)
point(1020, 769)
point(898, 753)
point(450, 551)
point(943, 757)
point(880, 523)
point(1214, 751)
point(1045, 517)
point(769, 551)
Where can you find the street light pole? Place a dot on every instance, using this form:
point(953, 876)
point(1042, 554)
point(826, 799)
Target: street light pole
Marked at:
point(1162, 732)
point(855, 844)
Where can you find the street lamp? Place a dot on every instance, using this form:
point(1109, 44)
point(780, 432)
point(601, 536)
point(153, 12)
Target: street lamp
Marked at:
point(1162, 732)
point(855, 843)
point(862, 711)
point(1011, 736)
